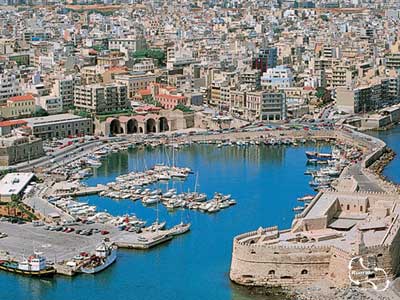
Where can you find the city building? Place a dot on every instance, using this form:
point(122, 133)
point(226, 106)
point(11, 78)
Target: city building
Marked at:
point(6, 127)
point(60, 126)
point(135, 81)
point(100, 98)
point(9, 87)
point(51, 104)
point(18, 106)
point(13, 185)
point(170, 101)
point(64, 89)
point(278, 77)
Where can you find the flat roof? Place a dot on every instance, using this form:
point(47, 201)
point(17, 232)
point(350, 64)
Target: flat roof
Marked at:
point(343, 224)
point(14, 183)
point(53, 119)
point(320, 208)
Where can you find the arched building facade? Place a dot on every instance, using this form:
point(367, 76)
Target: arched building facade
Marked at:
point(142, 124)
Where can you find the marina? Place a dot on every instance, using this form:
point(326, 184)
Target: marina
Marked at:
point(136, 209)
point(262, 163)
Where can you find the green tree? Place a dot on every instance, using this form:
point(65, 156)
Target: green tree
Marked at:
point(157, 54)
point(40, 113)
point(183, 108)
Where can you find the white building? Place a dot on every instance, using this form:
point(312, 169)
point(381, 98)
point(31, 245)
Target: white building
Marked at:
point(278, 77)
point(64, 89)
point(52, 104)
point(9, 87)
point(14, 184)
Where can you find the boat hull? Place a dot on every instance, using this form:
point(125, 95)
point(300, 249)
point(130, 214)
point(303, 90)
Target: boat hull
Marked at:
point(109, 261)
point(43, 273)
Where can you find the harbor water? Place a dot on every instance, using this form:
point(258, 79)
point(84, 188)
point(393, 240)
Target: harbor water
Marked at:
point(265, 181)
point(392, 139)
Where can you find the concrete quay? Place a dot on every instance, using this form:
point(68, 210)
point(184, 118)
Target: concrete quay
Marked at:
point(60, 247)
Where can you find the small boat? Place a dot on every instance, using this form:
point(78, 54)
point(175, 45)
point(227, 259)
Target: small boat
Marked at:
point(93, 162)
point(151, 200)
point(232, 202)
point(213, 209)
point(305, 198)
point(298, 208)
point(181, 228)
point(105, 255)
point(318, 156)
point(156, 226)
point(35, 265)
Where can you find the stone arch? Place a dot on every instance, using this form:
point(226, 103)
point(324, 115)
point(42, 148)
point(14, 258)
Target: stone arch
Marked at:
point(163, 124)
point(132, 126)
point(151, 125)
point(115, 126)
point(304, 272)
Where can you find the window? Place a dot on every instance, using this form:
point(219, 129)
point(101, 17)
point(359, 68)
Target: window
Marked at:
point(271, 272)
point(304, 272)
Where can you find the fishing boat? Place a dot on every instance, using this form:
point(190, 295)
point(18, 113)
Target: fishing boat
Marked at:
point(35, 265)
point(181, 228)
point(311, 155)
point(105, 255)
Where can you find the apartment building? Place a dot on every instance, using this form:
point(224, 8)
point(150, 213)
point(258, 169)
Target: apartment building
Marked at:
point(9, 87)
point(64, 89)
point(52, 104)
point(269, 105)
point(279, 77)
point(369, 96)
point(99, 98)
point(135, 81)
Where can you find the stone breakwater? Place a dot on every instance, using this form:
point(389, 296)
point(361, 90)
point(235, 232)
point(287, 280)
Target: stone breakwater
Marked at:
point(338, 227)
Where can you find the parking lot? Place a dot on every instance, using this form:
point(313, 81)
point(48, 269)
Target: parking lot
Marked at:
point(24, 239)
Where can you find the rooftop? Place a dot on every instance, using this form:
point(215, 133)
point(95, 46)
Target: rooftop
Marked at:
point(14, 183)
point(21, 98)
point(54, 119)
point(13, 123)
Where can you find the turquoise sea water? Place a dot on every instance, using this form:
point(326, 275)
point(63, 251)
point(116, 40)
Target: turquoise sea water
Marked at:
point(392, 139)
point(265, 181)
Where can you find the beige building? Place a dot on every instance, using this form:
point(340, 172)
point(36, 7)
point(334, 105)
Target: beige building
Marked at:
point(15, 149)
point(98, 98)
point(135, 81)
point(18, 106)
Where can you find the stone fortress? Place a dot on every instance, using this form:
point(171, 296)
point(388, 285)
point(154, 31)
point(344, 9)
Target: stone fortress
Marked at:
point(359, 217)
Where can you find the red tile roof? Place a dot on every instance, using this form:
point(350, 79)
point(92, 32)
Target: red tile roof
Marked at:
point(145, 92)
point(164, 96)
point(21, 98)
point(13, 122)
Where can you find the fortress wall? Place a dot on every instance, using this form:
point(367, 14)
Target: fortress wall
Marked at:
point(338, 267)
point(393, 252)
point(278, 265)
